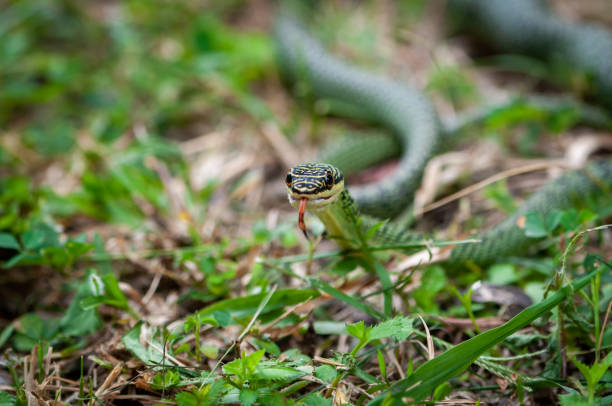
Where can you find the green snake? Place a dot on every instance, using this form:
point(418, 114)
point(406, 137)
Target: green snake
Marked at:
point(529, 27)
point(406, 111)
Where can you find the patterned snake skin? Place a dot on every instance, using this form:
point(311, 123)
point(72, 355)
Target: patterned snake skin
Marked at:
point(529, 27)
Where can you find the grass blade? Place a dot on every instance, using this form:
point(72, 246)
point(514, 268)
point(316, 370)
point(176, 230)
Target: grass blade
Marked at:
point(454, 361)
point(349, 300)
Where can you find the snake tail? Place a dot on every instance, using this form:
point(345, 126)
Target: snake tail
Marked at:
point(574, 189)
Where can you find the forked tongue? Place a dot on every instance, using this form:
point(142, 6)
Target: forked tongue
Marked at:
point(302, 209)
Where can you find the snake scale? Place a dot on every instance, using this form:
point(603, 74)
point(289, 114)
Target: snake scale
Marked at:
point(409, 114)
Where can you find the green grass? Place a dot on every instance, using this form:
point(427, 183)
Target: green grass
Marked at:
point(132, 271)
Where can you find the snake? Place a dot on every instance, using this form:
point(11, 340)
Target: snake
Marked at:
point(349, 214)
point(530, 27)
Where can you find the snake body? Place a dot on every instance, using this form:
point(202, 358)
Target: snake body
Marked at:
point(410, 115)
point(529, 27)
point(403, 109)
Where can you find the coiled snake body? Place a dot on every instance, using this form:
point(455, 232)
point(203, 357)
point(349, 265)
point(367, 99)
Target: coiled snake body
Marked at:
point(410, 115)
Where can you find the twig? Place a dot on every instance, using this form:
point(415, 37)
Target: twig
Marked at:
point(492, 179)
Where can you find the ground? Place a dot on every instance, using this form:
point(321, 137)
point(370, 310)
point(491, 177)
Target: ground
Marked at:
point(149, 254)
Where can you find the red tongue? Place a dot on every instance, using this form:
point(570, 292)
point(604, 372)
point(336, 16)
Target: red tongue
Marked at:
point(301, 215)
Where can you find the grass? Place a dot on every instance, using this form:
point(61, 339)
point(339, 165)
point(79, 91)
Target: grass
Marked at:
point(148, 254)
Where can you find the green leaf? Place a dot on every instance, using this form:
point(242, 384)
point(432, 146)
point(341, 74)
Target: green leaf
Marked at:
point(569, 220)
point(210, 351)
point(187, 399)
point(534, 225)
point(372, 230)
point(7, 399)
point(350, 300)
point(6, 333)
point(223, 318)
point(245, 366)
point(145, 352)
point(399, 328)
point(345, 265)
point(316, 400)
point(31, 329)
point(325, 373)
point(382, 366)
point(502, 274)
point(594, 373)
point(253, 359)
point(326, 327)
point(573, 399)
point(79, 320)
point(500, 196)
point(452, 362)
point(245, 307)
point(41, 235)
point(196, 320)
point(357, 330)
point(552, 220)
point(8, 241)
point(432, 282)
point(167, 379)
point(268, 345)
point(277, 373)
point(248, 397)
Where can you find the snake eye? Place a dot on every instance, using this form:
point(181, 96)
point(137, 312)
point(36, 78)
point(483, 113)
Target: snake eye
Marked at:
point(288, 180)
point(329, 179)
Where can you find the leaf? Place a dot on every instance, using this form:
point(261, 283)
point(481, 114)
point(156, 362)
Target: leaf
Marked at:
point(31, 329)
point(500, 196)
point(552, 220)
point(209, 351)
point(78, 319)
point(222, 317)
point(569, 220)
point(502, 274)
point(573, 399)
point(245, 307)
point(452, 362)
point(325, 327)
point(248, 397)
point(357, 330)
point(186, 399)
point(268, 345)
point(245, 366)
point(8, 241)
point(345, 265)
point(316, 400)
point(41, 235)
point(326, 373)
point(534, 225)
point(350, 300)
point(148, 355)
point(399, 328)
point(372, 230)
point(7, 399)
point(253, 359)
point(6, 333)
point(277, 373)
point(382, 366)
point(594, 373)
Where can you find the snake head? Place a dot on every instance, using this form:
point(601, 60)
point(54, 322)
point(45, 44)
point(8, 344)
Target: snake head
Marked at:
point(313, 185)
point(317, 185)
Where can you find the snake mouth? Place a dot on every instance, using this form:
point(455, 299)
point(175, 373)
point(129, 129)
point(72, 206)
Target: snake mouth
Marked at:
point(310, 202)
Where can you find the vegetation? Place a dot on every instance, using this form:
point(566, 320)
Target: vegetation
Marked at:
point(148, 254)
